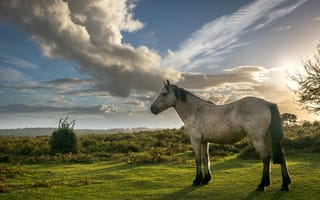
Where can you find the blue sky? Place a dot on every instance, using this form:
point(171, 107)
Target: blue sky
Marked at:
point(102, 62)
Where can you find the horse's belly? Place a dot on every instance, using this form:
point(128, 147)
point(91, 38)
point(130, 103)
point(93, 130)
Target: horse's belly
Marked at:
point(223, 137)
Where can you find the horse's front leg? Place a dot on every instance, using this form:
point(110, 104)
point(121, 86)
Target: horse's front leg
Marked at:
point(196, 145)
point(206, 162)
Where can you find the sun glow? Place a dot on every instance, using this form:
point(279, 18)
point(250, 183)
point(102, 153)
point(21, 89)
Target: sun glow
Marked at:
point(291, 66)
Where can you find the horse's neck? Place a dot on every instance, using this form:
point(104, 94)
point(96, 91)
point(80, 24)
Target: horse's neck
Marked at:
point(187, 109)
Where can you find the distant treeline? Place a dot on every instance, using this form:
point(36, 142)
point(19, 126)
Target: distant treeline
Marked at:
point(34, 132)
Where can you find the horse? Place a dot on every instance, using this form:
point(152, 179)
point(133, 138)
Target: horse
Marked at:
point(206, 122)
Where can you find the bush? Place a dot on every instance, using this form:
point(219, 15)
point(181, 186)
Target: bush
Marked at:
point(64, 140)
point(306, 124)
point(249, 153)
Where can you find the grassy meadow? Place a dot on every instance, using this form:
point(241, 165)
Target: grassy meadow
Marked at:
point(152, 165)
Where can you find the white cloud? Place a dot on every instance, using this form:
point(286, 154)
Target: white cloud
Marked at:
point(17, 62)
point(278, 13)
point(109, 108)
point(282, 28)
point(207, 46)
point(11, 75)
point(89, 32)
point(64, 85)
point(135, 103)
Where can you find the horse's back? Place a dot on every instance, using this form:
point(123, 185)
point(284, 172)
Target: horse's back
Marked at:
point(229, 123)
point(249, 107)
point(246, 109)
point(254, 115)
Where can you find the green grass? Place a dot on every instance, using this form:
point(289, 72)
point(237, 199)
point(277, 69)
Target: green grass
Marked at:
point(233, 178)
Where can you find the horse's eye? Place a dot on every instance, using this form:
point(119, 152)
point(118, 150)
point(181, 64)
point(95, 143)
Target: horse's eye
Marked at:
point(165, 94)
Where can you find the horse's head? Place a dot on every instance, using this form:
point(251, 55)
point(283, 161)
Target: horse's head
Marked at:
point(165, 99)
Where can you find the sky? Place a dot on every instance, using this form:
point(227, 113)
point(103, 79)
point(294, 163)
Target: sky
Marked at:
point(102, 62)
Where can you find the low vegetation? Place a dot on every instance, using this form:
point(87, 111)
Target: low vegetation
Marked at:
point(29, 169)
point(145, 147)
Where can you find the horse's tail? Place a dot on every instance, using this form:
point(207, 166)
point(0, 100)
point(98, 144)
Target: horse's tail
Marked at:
point(276, 133)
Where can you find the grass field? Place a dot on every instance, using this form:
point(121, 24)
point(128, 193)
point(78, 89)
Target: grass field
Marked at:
point(233, 178)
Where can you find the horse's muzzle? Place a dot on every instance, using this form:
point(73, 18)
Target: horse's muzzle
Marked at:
point(154, 110)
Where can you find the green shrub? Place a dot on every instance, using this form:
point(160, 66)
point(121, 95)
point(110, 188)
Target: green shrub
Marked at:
point(11, 172)
point(64, 140)
point(307, 124)
point(75, 158)
point(316, 123)
point(249, 153)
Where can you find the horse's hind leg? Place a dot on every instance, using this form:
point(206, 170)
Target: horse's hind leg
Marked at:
point(265, 180)
point(261, 148)
point(206, 162)
point(285, 175)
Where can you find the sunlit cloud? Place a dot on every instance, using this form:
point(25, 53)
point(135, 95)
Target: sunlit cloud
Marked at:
point(235, 83)
point(89, 33)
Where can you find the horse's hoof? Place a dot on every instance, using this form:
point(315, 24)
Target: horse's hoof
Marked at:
point(285, 188)
point(196, 183)
point(260, 188)
point(206, 179)
point(204, 182)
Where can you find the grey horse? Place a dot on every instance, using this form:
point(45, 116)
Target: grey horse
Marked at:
point(226, 124)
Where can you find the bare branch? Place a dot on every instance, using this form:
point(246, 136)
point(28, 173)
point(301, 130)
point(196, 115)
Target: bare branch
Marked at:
point(309, 85)
point(63, 123)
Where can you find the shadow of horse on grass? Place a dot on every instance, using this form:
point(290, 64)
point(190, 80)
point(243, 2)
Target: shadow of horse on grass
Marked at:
point(180, 194)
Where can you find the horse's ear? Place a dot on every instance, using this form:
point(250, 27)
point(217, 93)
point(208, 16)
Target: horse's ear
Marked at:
point(164, 83)
point(168, 83)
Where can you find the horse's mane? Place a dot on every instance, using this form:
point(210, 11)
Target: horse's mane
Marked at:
point(181, 94)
